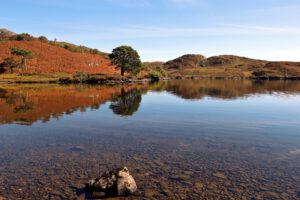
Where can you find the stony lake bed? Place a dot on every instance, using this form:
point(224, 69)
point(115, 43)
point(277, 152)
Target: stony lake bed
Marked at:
point(183, 139)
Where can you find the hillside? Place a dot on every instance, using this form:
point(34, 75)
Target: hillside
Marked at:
point(230, 66)
point(52, 57)
point(49, 59)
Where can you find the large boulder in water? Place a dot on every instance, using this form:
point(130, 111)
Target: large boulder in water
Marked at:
point(118, 182)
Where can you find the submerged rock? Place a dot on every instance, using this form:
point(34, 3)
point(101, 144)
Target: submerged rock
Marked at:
point(118, 182)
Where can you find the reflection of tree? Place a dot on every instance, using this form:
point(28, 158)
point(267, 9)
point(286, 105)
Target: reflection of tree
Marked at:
point(3, 93)
point(27, 106)
point(20, 102)
point(127, 103)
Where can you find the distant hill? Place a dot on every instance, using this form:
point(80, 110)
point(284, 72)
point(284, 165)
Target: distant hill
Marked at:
point(54, 57)
point(230, 66)
point(186, 61)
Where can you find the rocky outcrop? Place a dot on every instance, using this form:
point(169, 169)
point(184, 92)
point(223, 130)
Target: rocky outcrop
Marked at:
point(118, 182)
point(222, 60)
point(5, 34)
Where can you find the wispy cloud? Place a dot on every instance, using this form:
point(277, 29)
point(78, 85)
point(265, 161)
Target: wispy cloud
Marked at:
point(267, 30)
point(285, 9)
point(161, 32)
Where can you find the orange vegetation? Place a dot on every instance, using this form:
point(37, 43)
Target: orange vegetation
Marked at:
point(52, 59)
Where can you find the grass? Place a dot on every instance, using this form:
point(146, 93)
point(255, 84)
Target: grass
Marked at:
point(32, 78)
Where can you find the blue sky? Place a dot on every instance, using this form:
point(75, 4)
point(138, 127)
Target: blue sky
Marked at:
point(165, 29)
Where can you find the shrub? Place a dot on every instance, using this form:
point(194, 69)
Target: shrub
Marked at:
point(66, 46)
point(21, 52)
point(43, 39)
point(94, 51)
point(161, 70)
point(81, 77)
point(22, 37)
point(154, 76)
point(8, 63)
point(259, 73)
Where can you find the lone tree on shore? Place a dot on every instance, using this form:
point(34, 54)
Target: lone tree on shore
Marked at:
point(127, 59)
point(23, 54)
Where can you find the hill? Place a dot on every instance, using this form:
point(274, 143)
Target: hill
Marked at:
point(52, 57)
point(186, 61)
point(230, 66)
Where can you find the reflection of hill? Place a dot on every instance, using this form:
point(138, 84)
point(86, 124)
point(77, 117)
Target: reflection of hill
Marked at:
point(26, 104)
point(228, 89)
point(29, 103)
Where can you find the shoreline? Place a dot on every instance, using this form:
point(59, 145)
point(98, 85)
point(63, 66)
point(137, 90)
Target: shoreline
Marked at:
point(145, 80)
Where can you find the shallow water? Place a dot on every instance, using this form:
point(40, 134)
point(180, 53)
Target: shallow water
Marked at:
point(186, 139)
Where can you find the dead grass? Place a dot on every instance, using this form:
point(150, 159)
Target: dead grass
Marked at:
point(52, 59)
point(13, 78)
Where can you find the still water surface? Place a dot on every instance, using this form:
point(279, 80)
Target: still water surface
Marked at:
point(180, 139)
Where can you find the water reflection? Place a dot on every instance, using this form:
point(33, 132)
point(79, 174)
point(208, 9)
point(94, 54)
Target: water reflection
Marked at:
point(230, 89)
point(127, 103)
point(26, 104)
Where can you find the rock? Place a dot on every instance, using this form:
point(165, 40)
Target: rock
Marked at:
point(220, 175)
point(117, 182)
point(81, 197)
point(77, 149)
point(198, 185)
point(126, 183)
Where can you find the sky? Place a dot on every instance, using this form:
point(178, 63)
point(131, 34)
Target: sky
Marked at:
point(161, 30)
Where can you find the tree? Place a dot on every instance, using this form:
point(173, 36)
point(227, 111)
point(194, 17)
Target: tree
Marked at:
point(24, 54)
point(126, 58)
point(9, 63)
point(43, 39)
